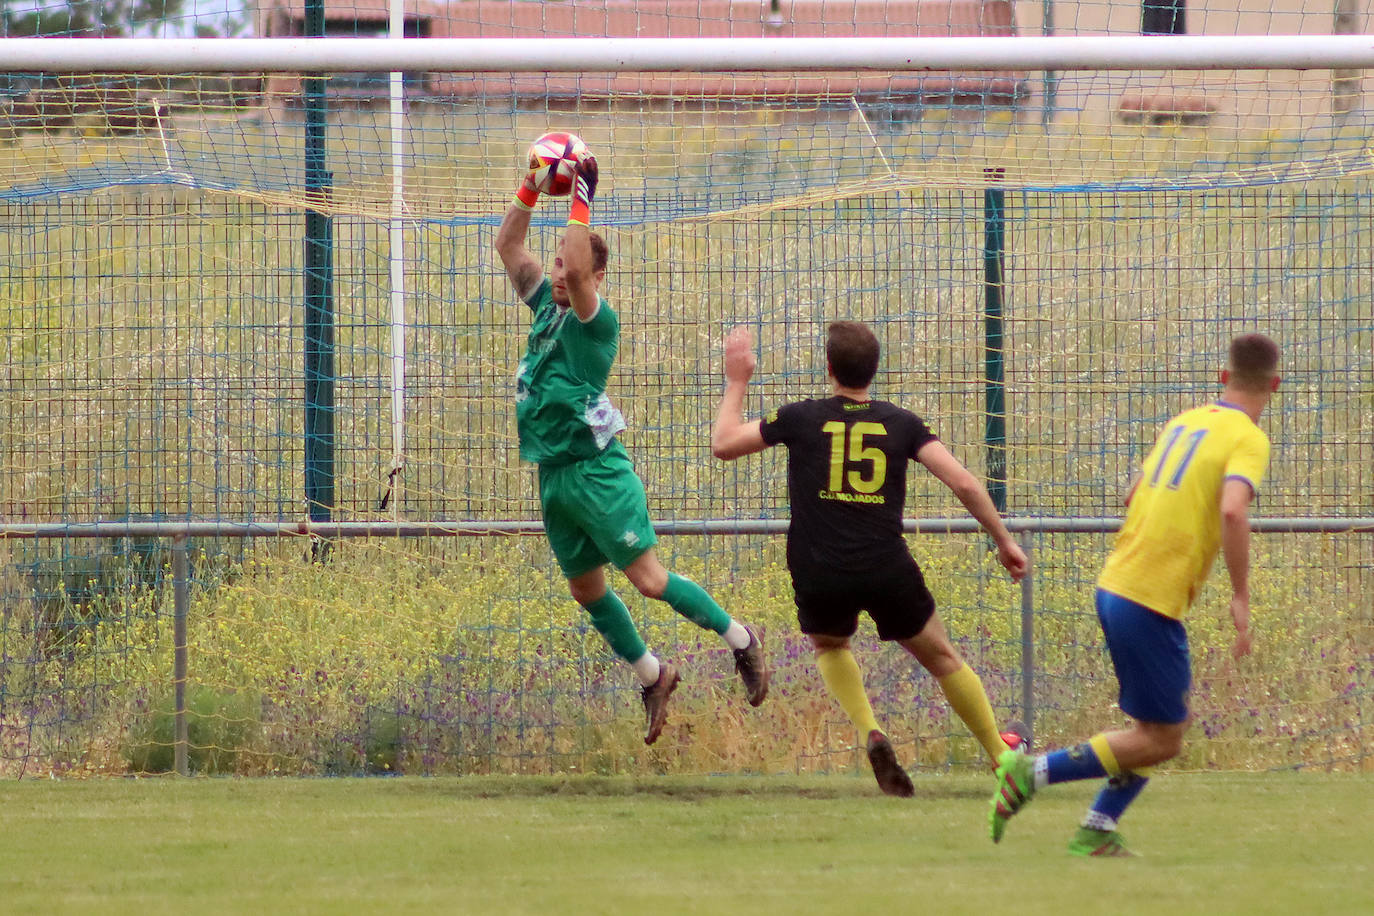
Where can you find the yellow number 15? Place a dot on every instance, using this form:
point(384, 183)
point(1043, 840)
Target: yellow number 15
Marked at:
point(857, 453)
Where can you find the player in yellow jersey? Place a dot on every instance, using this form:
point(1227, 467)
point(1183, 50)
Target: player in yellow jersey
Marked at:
point(1192, 496)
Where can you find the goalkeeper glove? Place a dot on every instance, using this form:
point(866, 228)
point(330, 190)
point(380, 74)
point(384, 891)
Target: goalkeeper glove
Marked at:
point(584, 189)
point(527, 195)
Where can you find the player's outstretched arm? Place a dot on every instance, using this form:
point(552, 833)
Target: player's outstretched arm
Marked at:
point(1235, 547)
point(522, 267)
point(974, 496)
point(578, 265)
point(732, 437)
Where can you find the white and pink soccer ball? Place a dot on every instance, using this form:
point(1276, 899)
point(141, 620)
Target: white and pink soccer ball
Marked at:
point(553, 162)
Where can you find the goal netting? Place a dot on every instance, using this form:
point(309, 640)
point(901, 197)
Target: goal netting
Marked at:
point(1053, 259)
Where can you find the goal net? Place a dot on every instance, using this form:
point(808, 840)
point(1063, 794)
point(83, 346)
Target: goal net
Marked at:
point(1053, 257)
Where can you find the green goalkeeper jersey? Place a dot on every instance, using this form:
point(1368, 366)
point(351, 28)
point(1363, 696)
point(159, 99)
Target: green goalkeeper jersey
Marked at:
point(562, 413)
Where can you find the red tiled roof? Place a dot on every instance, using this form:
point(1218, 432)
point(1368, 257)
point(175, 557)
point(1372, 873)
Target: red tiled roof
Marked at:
point(704, 18)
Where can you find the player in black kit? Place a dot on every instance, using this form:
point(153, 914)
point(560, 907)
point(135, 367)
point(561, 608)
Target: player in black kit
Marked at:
point(847, 458)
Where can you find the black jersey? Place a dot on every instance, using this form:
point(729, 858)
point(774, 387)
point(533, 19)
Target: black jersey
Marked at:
point(846, 479)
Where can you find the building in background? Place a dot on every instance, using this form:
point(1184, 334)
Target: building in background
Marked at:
point(674, 18)
point(1180, 97)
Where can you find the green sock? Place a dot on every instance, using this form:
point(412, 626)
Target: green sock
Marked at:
point(691, 601)
point(845, 681)
point(612, 620)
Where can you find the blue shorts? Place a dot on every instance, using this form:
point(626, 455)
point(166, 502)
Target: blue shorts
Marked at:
point(1150, 654)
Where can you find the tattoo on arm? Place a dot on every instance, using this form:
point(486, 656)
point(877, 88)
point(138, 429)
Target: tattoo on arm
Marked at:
point(525, 277)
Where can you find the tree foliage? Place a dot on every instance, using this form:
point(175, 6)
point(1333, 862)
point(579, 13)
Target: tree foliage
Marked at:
point(85, 18)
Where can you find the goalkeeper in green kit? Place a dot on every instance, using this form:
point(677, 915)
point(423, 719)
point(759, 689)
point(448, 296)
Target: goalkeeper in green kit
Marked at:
point(593, 502)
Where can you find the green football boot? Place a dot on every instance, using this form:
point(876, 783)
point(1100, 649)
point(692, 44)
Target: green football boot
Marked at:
point(1089, 842)
point(1015, 785)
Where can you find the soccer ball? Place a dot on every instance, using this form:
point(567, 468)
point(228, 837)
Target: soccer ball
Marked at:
point(553, 162)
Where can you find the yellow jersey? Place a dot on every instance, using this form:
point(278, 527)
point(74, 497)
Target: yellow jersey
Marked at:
point(1173, 524)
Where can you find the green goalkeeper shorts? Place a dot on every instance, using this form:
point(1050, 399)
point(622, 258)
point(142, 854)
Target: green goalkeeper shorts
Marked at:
point(595, 511)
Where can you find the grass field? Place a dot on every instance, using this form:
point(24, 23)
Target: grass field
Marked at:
point(1211, 843)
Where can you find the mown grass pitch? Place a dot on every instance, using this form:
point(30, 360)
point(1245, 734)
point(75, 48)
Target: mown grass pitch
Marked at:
point(1212, 844)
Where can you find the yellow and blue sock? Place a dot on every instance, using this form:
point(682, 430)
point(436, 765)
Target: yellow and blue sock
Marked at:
point(1091, 760)
point(1113, 800)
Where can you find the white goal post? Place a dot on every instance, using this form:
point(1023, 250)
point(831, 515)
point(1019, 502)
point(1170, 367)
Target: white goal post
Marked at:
point(666, 55)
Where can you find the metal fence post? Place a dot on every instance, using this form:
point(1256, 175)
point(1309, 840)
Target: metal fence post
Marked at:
point(181, 600)
point(1028, 639)
point(994, 347)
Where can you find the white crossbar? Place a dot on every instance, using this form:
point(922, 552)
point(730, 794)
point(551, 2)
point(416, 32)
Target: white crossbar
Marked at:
point(599, 55)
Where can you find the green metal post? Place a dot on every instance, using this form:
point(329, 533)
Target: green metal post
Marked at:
point(994, 263)
point(181, 603)
point(1051, 79)
point(1028, 641)
point(319, 297)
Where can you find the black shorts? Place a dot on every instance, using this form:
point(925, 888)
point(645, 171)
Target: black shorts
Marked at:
point(895, 597)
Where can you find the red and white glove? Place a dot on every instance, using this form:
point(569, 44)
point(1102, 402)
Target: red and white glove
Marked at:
point(584, 189)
